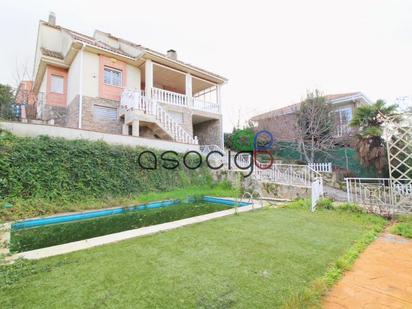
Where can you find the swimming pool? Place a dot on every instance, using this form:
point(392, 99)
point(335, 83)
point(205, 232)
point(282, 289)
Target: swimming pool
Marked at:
point(45, 232)
point(31, 223)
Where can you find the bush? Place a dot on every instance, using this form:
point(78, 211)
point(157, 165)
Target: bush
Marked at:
point(350, 207)
point(325, 203)
point(57, 169)
point(40, 237)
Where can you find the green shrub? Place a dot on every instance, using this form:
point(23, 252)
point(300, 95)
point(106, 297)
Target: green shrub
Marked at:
point(40, 237)
point(299, 203)
point(325, 203)
point(350, 207)
point(57, 169)
point(403, 227)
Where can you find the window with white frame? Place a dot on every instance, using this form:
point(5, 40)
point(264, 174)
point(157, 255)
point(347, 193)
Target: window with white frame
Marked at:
point(343, 119)
point(104, 112)
point(112, 77)
point(57, 84)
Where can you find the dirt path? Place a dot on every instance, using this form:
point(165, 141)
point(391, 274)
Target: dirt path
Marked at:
point(380, 278)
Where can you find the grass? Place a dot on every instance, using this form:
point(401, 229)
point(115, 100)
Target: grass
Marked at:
point(403, 227)
point(22, 209)
point(268, 258)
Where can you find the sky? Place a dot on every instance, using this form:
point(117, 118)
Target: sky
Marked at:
point(272, 52)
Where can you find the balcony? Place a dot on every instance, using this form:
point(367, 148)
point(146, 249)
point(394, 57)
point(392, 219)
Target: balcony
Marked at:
point(174, 98)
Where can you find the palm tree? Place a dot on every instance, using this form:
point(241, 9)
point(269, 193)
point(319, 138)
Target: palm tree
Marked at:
point(370, 145)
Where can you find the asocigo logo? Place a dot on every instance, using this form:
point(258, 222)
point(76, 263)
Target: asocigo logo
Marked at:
point(251, 145)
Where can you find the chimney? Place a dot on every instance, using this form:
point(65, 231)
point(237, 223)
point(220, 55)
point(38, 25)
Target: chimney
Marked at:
point(172, 54)
point(52, 19)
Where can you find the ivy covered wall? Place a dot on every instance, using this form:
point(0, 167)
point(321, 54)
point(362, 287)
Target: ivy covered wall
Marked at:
point(53, 168)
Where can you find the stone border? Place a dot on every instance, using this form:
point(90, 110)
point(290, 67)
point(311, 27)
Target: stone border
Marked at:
point(5, 230)
point(116, 237)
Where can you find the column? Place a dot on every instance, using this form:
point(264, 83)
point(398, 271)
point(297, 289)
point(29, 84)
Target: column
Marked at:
point(188, 89)
point(135, 128)
point(148, 67)
point(219, 97)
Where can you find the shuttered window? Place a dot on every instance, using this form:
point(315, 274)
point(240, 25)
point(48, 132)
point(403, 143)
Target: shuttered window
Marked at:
point(104, 113)
point(57, 84)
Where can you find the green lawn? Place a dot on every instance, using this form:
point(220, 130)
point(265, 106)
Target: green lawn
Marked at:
point(263, 259)
point(403, 227)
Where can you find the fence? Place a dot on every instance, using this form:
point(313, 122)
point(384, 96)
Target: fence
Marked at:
point(321, 167)
point(381, 195)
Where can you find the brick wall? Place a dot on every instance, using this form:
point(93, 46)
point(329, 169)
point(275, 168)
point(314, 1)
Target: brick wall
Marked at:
point(282, 127)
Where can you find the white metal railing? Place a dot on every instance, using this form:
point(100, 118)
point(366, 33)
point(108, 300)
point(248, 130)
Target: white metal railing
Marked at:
point(321, 167)
point(170, 97)
point(134, 100)
point(381, 195)
point(288, 174)
point(242, 160)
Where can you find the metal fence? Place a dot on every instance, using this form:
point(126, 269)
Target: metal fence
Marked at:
point(381, 195)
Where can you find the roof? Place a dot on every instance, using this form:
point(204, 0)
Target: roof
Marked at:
point(292, 108)
point(50, 53)
point(93, 42)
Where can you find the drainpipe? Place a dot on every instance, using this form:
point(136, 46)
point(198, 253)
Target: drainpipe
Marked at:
point(81, 88)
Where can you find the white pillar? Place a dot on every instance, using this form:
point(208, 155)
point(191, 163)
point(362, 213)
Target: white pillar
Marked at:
point(148, 67)
point(189, 88)
point(219, 97)
point(135, 128)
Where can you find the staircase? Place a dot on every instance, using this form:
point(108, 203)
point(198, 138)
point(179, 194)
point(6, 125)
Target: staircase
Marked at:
point(134, 105)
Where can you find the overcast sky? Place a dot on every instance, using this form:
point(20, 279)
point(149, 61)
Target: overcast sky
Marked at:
point(271, 51)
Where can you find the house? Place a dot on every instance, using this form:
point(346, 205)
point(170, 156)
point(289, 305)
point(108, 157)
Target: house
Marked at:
point(281, 122)
point(107, 84)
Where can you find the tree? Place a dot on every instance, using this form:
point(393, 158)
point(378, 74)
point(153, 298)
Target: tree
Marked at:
point(6, 101)
point(315, 126)
point(370, 145)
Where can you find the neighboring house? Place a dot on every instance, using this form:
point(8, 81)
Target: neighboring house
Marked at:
point(26, 99)
point(108, 84)
point(282, 122)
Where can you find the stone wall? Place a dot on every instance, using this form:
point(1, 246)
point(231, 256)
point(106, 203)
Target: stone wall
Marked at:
point(72, 119)
point(58, 113)
point(90, 122)
point(209, 132)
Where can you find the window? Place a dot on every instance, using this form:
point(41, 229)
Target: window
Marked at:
point(112, 77)
point(343, 118)
point(57, 84)
point(104, 113)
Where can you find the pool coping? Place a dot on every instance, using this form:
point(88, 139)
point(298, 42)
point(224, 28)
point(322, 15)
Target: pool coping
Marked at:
point(120, 236)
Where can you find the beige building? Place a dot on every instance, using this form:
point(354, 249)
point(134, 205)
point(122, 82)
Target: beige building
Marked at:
point(282, 122)
point(108, 84)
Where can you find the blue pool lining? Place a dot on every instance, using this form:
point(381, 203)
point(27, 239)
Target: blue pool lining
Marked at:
point(31, 223)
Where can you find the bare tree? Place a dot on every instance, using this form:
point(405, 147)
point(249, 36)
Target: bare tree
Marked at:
point(315, 126)
point(25, 96)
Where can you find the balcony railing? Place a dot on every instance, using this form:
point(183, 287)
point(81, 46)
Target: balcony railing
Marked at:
point(179, 99)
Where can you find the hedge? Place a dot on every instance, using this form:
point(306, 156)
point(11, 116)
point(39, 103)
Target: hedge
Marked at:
point(58, 169)
point(40, 237)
